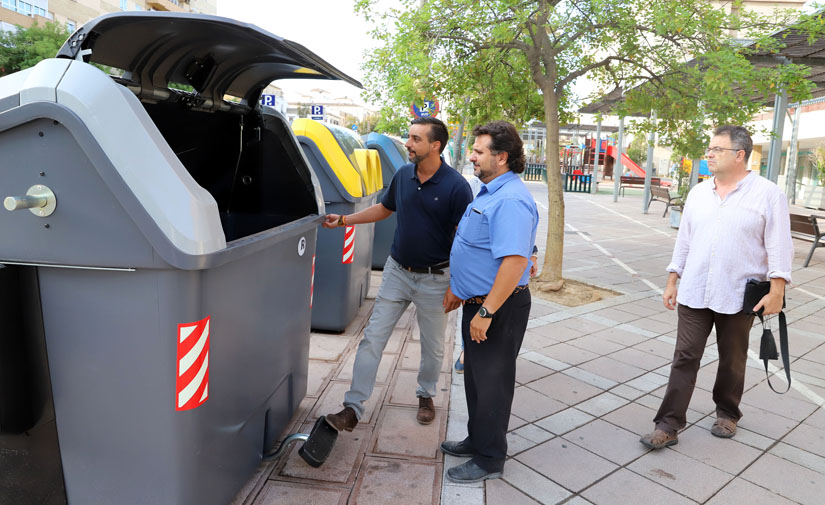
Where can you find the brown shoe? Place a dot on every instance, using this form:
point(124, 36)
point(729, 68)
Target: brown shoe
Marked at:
point(724, 428)
point(659, 439)
point(426, 410)
point(345, 420)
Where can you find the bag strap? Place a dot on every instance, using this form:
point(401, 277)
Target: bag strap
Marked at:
point(783, 350)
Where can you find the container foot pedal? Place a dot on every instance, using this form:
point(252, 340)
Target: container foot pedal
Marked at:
point(317, 445)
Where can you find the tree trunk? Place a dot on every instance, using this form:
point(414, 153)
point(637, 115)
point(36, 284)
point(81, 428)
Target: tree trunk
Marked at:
point(553, 253)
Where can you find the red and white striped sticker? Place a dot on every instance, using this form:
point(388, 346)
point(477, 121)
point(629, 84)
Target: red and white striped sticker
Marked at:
point(312, 282)
point(349, 245)
point(192, 384)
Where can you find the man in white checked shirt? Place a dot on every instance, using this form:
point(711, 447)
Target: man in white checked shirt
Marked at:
point(735, 227)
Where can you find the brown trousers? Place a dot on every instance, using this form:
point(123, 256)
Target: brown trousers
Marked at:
point(732, 332)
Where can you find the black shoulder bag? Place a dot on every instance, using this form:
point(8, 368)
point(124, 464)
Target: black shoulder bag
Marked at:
point(755, 291)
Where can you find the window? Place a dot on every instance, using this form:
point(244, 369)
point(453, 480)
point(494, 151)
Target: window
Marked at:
point(24, 8)
point(10, 4)
point(71, 26)
point(123, 5)
point(138, 7)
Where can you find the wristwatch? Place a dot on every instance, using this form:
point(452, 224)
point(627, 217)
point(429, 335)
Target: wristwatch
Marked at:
point(483, 312)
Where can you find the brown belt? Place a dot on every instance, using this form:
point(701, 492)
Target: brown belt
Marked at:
point(478, 300)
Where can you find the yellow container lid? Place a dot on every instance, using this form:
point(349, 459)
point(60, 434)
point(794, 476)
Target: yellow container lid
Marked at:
point(377, 172)
point(340, 163)
point(364, 165)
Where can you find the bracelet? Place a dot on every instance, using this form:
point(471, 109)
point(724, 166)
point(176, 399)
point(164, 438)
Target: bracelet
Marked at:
point(342, 220)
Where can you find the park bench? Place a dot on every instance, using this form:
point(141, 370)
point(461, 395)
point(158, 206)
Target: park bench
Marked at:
point(662, 194)
point(630, 181)
point(806, 227)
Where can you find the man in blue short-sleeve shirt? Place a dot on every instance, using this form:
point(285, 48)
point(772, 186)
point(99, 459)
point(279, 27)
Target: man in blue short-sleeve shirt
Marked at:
point(490, 272)
point(428, 197)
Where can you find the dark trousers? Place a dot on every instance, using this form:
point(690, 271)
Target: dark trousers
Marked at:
point(490, 378)
point(691, 337)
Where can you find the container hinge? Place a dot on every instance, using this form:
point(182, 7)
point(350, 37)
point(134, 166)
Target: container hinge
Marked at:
point(76, 45)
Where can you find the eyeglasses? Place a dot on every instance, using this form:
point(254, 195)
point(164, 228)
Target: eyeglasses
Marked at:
point(718, 150)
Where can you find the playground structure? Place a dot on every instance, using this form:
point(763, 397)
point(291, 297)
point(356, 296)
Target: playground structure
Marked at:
point(577, 163)
point(578, 159)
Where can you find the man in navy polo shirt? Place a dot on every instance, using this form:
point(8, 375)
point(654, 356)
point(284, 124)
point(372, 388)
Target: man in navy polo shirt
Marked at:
point(490, 272)
point(429, 198)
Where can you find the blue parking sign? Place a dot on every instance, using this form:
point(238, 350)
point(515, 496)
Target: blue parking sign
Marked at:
point(268, 100)
point(429, 108)
point(316, 112)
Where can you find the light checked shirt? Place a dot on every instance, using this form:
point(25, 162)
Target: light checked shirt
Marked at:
point(501, 221)
point(723, 243)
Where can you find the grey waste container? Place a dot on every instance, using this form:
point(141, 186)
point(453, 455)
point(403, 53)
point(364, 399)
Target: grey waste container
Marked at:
point(156, 299)
point(342, 269)
point(393, 156)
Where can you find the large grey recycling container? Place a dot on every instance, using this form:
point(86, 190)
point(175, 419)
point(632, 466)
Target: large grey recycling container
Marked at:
point(155, 313)
point(342, 272)
point(393, 156)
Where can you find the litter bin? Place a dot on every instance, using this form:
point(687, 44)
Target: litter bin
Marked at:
point(393, 155)
point(157, 257)
point(342, 269)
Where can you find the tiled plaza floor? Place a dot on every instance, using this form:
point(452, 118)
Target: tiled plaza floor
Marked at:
point(589, 380)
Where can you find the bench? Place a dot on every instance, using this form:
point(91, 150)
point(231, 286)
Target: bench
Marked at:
point(662, 194)
point(630, 181)
point(807, 227)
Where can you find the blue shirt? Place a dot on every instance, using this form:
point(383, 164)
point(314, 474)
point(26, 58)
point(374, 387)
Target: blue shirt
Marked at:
point(427, 214)
point(500, 222)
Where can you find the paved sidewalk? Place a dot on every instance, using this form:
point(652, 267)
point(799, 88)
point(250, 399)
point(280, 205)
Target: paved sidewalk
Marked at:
point(590, 379)
point(389, 457)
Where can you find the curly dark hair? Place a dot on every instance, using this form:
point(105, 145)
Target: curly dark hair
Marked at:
point(504, 139)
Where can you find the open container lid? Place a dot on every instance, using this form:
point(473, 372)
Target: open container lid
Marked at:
point(216, 56)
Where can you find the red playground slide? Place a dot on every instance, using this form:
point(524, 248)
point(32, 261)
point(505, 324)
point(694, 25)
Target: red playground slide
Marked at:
point(626, 161)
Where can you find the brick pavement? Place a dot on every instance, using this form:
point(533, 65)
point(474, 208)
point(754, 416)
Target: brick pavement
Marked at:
point(588, 382)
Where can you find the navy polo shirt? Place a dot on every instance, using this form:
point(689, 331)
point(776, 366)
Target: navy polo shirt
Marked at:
point(427, 214)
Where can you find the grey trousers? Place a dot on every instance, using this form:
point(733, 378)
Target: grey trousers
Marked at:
point(398, 289)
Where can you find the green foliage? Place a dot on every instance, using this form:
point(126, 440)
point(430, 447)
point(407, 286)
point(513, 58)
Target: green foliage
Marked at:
point(414, 63)
point(719, 85)
point(368, 124)
point(27, 46)
point(637, 150)
point(519, 59)
point(189, 89)
point(817, 158)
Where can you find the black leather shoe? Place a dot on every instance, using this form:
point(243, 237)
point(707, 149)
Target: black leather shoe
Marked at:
point(461, 449)
point(470, 472)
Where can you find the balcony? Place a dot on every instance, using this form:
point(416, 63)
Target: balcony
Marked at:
point(168, 5)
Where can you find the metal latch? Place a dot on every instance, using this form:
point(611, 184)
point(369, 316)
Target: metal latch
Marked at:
point(39, 199)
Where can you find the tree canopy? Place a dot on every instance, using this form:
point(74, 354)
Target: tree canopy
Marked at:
point(27, 46)
point(519, 59)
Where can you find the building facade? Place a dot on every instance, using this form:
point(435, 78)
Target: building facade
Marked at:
point(74, 13)
point(809, 190)
point(338, 110)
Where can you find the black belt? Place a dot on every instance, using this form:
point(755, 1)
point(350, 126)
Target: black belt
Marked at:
point(435, 269)
point(479, 300)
